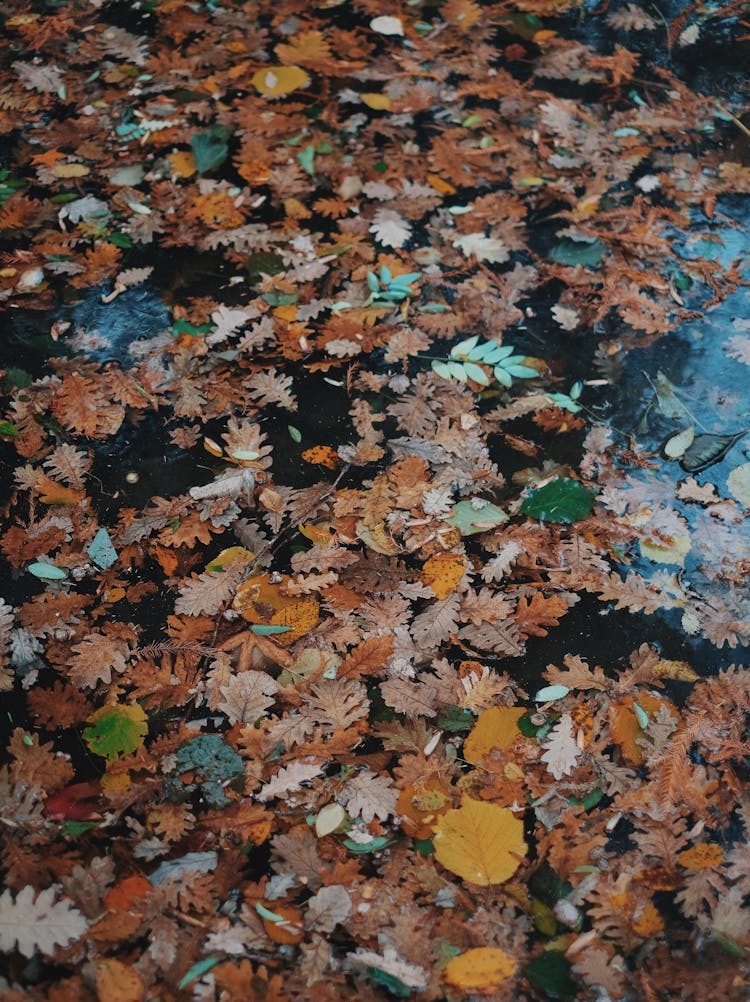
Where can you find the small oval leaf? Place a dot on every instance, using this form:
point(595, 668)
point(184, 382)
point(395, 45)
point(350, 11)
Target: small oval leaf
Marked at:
point(47, 571)
point(550, 692)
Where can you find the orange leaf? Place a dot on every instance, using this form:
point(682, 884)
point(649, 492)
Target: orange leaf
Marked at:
point(481, 842)
point(443, 572)
point(480, 969)
point(323, 455)
point(624, 725)
point(51, 492)
point(118, 982)
point(649, 922)
point(419, 807)
point(441, 185)
point(290, 930)
point(126, 893)
point(182, 163)
point(365, 659)
point(701, 857)
point(495, 728)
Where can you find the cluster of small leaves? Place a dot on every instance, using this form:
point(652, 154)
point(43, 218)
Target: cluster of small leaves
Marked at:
point(467, 359)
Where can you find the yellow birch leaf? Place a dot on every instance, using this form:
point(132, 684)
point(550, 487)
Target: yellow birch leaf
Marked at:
point(479, 969)
point(70, 170)
point(701, 857)
point(678, 670)
point(479, 841)
point(649, 922)
point(443, 572)
point(378, 102)
point(277, 80)
point(495, 728)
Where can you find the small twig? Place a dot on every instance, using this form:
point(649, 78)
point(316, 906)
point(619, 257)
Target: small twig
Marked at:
point(740, 125)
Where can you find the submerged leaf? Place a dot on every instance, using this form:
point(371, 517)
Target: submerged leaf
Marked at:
point(481, 842)
point(706, 450)
point(562, 500)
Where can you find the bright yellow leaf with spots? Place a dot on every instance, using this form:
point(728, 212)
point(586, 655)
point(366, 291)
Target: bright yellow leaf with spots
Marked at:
point(495, 728)
point(443, 572)
point(378, 102)
point(701, 857)
point(263, 602)
point(478, 970)
point(273, 81)
point(481, 842)
point(322, 455)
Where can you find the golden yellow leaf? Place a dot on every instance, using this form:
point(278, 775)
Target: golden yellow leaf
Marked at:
point(277, 80)
point(262, 602)
point(229, 556)
point(440, 184)
point(495, 728)
point(322, 455)
point(673, 553)
point(481, 842)
point(679, 670)
point(378, 102)
point(649, 922)
point(182, 163)
point(479, 969)
point(443, 572)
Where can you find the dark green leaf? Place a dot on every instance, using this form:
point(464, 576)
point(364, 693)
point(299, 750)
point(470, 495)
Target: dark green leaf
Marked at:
point(550, 973)
point(6, 428)
point(706, 450)
point(391, 984)
point(424, 846)
point(197, 970)
point(455, 718)
point(561, 500)
point(73, 829)
point(120, 240)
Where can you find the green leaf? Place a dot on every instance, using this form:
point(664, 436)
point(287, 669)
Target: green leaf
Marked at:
point(464, 347)
point(641, 716)
point(457, 371)
point(372, 282)
point(210, 148)
point(307, 159)
point(550, 973)
point(116, 730)
point(706, 450)
point(550, 692)
point(294, 433)
point(193, 330)
point(470, 517)
point(6, 428)
point(522, 371)
point(74, 829)
point(197, 970)
point(47, 571)
point(101, 550)
point(389, 982)
point(268, 629)
point(374, 845)
point(424, 846)
point(441, 369)
point(561, 500)
point(455, 718)
point(503, 377)
point(476, 373)
point(588, 252)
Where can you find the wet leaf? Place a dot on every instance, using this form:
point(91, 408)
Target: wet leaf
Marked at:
point(496, 727)
point(550, 973)
point(47, 571)
point(562, 500)
point(479, 841)
point(101, 550)
point(738, 483)
point(275, 81)
point(706, 450)
point(478, 515)
point(480, 969)
point(118, 982)
point(586, 252)
point(674, 447)
point(210, 149)
point(115, 731)
point(443, 572)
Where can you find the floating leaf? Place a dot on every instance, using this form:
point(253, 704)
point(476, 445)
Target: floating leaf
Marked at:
point(118, 982)
point(738, 483)
point(550, 692)
point(496, 727)
point(477, 515)
point(329, 819)
point(479, 841)
point(210, 148)
point(116, 730)
point(480, 969)
point(707, 450)
point(274, 81)
point(561, 500)
point(101, 550)
point(268, 629)
point(374, 845)
point(197, 970)
point(586, 251)
point(550, 973)
point(443, 572)
point(378, 102)
point(676, 444)
point(48, 571)
point(386, 25)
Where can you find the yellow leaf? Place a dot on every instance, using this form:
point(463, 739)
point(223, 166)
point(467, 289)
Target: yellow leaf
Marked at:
point(673, 553)
point(679, 670)
point(377, 538)
point(70, 170)
point(286, 313)
point(495, 728)
point(118, 982)
point(229, 556)
point(441, 185)
point(649, 922)
point(379, 102)
point(443, 572)
point(277, 80)
point(701, 857)
point(182, 163)
point(480, 969)
point(481, 842)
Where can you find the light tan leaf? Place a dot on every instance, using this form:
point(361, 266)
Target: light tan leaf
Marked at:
point(37, 922)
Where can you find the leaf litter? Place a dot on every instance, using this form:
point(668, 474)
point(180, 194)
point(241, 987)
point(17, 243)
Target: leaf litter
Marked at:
point(321, 775)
